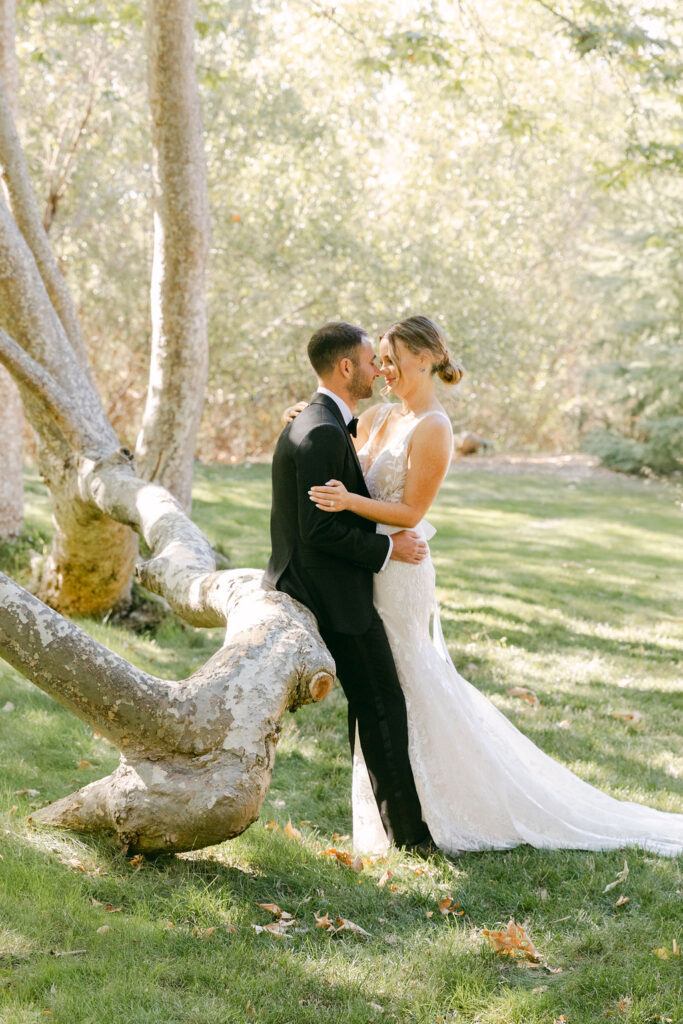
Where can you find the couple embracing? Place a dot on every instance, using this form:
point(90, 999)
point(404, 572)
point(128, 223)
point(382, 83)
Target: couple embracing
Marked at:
point(435, 762)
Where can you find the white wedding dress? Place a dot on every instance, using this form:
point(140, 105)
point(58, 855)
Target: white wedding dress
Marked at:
point(482, 783)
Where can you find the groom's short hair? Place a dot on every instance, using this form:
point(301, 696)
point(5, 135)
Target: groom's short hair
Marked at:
point(332, 342)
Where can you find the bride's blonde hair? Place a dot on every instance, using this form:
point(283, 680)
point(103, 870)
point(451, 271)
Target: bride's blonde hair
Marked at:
point(420, 334)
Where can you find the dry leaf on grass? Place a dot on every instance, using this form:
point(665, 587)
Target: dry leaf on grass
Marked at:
point(203, 933)
point(273, 909)
point(74, 863)
point(622, 900)
point(344, 925)
point(293, 833)
point(384, 879)
point(619, 880)
point(83, 764)
point(340, 924)
point(103, 930)
point(447, 906)
point(137, 861)
point(111, 909)
point(524, 693)
point(513, 941)
point(273, 826)
point(26, 792)
point(664, 954)
point(628, 716)
point(277, 928)
point(355, 863)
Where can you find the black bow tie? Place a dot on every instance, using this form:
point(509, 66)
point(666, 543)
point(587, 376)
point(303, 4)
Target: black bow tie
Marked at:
point(352, 426)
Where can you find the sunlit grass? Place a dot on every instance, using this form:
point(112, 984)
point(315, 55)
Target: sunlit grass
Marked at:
point(571, 591)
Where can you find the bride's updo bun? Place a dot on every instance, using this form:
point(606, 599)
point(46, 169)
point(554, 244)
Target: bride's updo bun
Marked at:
point(420, 334)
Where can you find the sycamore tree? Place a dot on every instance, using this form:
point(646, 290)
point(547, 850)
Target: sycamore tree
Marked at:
point(196, 756)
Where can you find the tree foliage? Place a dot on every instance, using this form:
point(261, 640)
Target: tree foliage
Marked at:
point(509, 170)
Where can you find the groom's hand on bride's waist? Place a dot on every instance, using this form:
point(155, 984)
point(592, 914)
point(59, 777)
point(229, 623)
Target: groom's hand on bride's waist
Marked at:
point(408, 547)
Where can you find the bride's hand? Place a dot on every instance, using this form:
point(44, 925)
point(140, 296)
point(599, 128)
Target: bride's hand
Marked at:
point(292, 411)
point(330, 497)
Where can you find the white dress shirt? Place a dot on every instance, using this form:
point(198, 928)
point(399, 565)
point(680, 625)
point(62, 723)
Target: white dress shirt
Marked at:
point(348, 416)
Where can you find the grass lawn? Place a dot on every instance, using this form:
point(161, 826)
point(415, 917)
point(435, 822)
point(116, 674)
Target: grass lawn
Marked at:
point(569, 588)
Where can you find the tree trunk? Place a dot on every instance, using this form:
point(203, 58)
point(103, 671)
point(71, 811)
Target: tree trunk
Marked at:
point(11, 410)
point(197, 755)
point(179, 359)
point(89, 567)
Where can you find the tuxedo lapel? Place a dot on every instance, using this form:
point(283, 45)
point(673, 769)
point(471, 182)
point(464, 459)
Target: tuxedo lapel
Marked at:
point(330, 404)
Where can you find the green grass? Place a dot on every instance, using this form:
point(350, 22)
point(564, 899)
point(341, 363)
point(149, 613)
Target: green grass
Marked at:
point(568, 589)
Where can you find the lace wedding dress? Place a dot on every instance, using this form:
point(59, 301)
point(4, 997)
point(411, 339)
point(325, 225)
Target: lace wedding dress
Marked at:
point(482, 783)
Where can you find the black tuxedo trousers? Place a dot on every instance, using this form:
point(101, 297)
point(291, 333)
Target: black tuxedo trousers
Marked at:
point(326, 561)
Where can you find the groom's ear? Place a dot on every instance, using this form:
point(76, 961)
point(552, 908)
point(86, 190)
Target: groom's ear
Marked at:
point(346, 367)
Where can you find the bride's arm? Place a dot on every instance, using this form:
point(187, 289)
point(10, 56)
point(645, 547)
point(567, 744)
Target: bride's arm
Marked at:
point(430, 456)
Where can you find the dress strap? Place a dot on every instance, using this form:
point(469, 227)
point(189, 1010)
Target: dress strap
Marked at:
point(379, 419)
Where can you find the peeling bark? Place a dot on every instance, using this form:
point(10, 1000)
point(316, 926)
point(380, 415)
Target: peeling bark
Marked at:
point(197, 755)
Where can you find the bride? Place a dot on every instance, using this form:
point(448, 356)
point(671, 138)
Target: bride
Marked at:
point(482, 783)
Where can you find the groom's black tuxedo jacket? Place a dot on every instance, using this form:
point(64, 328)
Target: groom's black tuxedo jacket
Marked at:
point(324, 559)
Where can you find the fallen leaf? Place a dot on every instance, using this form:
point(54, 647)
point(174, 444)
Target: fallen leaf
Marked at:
point(274, 928)
point(137, 861)
point(273, 909)
point(622, 899)
point(103, 929)
point(84, 764)
point(384, 879)
point(664, 954)
point(323, 921)
point(539, 989)
point(168, 926)
point(273, 826)
point(429, 913)
point(26, 792)
point(564, 724)
point(293, 833)
point(95, 903)
point(524, 694)
point(343, 857)
point(619, 880)
point(447, 906)
point(74, 863)
point(344, 925)
point(561, 1019)
point(111, 909)
point(251, 1012)
point(628, 716)
point(337, 838)
point(512, 941)
point(13, 810)
point(625, 1004)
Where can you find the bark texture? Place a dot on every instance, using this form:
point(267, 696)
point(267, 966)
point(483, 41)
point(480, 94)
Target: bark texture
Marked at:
point(179, 360)
point(11, 410)
point(197, 756)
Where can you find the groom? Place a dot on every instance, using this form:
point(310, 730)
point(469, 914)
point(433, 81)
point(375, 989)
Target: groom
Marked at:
point(326, 561)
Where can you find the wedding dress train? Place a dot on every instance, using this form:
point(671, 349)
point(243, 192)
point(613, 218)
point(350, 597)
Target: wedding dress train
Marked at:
point(482, 783)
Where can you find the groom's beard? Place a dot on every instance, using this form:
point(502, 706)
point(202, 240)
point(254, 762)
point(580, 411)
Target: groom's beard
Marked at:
point(361, 385)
